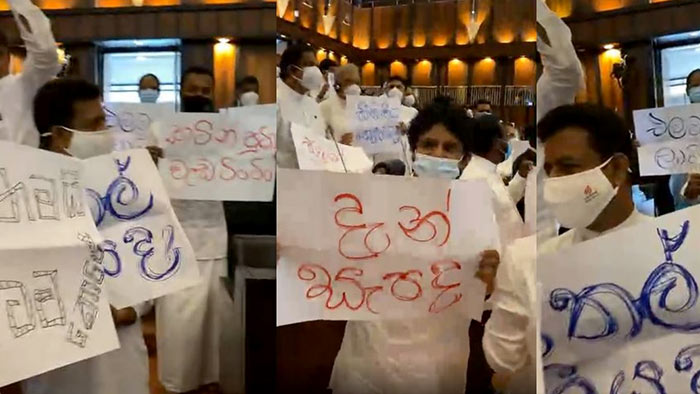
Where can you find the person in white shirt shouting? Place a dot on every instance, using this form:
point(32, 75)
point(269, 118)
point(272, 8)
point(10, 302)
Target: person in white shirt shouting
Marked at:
point(41, 65)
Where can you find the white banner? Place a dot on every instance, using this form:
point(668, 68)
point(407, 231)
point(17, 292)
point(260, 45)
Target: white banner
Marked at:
point(315, 152)
point(620, 313)
point(147, 252)
point(374, 121)
point(358, 247)
point(132, 123)
point(53, 305)
point(669, 139)
point(220, 157)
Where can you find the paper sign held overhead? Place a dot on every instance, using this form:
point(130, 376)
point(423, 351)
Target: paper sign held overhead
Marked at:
point(147, 254)
point(379, 247)
point(624, 319)
point(53, 303)
point(669, 139)
point(315, 152)
point(221, 157)
point(132, 123)
point(374, 121)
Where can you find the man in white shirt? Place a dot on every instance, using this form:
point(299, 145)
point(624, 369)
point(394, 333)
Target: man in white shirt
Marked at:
point(41, 65)
point(333, 109)
point(190, 323)
point(299, 74)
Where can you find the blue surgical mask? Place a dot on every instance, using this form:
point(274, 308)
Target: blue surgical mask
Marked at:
point(434, 167)
point(694, 94)
point(148, 95)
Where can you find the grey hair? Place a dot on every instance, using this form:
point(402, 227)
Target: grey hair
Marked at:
point(348, 69)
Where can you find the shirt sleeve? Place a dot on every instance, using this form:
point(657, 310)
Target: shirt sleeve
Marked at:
point(505, 335)
point(41, 64)
point(562, 74)
point(516, 187)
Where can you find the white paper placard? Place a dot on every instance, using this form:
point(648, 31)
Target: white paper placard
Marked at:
point(53, 305)
point(358, 247)
point(220, 157)
point(148, 254)
point(315, 152)
point(374, 121)
point(132, 123)
point(620, 312)
point(669, 139)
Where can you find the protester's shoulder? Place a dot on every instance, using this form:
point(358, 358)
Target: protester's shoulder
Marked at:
point(557, 243)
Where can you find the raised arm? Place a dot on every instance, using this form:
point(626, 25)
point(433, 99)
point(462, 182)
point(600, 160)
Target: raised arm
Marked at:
point(562, 76)
point(41, 64)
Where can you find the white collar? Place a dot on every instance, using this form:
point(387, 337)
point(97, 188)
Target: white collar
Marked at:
point(634, 218)
point(286, 92)
point(481, 164)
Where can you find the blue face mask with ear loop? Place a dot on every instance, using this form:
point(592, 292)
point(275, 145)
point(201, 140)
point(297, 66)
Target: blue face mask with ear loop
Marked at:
point(435, 167)
point(694, 94)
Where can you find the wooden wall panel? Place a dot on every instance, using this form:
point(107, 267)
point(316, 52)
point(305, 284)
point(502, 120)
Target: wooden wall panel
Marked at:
point(383, 28)
point(361, 32)
point(524, 72)
point(484, 72)
point(485, 18)
point(403, 26)
point(421, 25)
point(506, 25)
point(422, 73)
point(398, 68)
point(369, 74)
point(289, 12)
point(307, 15)
point(463, 15)
point(345, 31)
point(443, 16)
point(224, 74)
point(457, 73)
point(260, 61)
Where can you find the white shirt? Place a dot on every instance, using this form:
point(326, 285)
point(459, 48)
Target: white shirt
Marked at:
point(294, 108)
point(204, 223)
point(510, 224)
point(333, 112)
point(561, 79)
point(510, 334)
point(41, 65)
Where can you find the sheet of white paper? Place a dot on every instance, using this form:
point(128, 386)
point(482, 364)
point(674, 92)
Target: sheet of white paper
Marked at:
point(220, 157)
point(147, 252)
point(359, 247)
point(620, 313)
point(677, 123)
point(670, 157)
point(53, 307)
point(317, 153)
point(519, 147)
point(132, 123)
point(374, 121)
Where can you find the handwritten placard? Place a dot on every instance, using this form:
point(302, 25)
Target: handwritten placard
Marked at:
point(669, 138)
point(132, 123)
point(147, 254)
point(53, 305)
point(374, 121)
point(315, 152)
point(377, 247)
point(220, 157)
point(624, 319)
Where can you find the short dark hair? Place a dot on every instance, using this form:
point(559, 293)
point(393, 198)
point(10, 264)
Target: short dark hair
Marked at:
point(608, 134)
point(398, 78)
point(452, 117)
point(483, 101)
point(199, 70)
point(687, 80)
point(326, 64)
point(487, 130)
point(152, 76)
point(54, 103)
point(248, 80)
point(442, 99)
point(292, 56)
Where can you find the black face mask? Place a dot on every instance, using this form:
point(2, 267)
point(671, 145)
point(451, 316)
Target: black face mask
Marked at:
point(197, 104)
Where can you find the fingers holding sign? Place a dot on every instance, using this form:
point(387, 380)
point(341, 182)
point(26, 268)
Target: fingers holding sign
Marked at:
point(488, 266)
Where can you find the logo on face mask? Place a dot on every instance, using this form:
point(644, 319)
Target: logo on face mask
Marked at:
point(589, 193)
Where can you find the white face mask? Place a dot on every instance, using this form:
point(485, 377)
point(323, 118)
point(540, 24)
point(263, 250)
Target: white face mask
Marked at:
point(409, 101)
point(249, 98)
point(312, 78)
point(352, 90)
point(394, 93)
point(694, 94)
point(577, 200)
point(434, 167)
point(148, 95)
point(87, 144)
